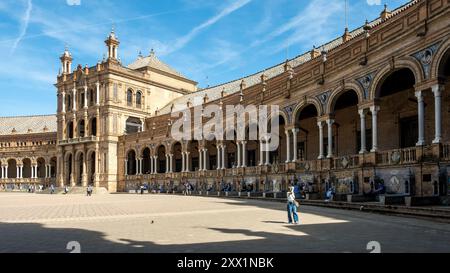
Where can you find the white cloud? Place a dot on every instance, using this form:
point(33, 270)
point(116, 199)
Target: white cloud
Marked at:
point(181, 42)
point(24, 25)
point(374, 2)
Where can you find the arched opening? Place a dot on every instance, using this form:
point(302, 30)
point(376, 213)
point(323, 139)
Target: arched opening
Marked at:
point(308, 133)
point(91, 97)
point(161, 159)
point(131, 168)
point(194, 164)
point(346, 125)
point(41, 170)
point(26, 169)
point(53, 162)
point(80, 169)
point(68, 168)
point(146, 161)
point(12, 168)
point(68, 103)
point(70, 130)
point(133, 125)
point(251, 147)
point(231, 154)
point(94, 127)
point(177, 157)
point(81, 128)
point(279, 155)
point(211, 155)
point(444, 77)
point(81, 100)
point(398, 110)
point(91, 168)
point(138, 99)
point(444, 67)
point(130, 97)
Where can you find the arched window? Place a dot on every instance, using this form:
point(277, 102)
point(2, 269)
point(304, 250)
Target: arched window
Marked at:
point(138, 99)
point(81, 128)
point(130, 97)
point(94, 127)
point(69, 103)
point(91, 97)
point(70, 130)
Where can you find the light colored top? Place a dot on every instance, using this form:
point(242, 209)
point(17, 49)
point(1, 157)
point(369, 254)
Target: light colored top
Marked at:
point(291, 197)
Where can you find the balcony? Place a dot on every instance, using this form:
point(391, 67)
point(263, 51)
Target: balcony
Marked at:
point(398, 156)
point(79, 140)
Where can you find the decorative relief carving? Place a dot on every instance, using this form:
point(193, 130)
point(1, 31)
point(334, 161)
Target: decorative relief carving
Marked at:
point(366, 83)
point(425, 57)
point(290, 110)
point(323, 98)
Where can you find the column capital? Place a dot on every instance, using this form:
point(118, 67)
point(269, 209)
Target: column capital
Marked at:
point(374, 109)
point(330, 121)
point(437, 89)
point(320, 124)
point(419, 94)
point(295, 130)
point(362, 113)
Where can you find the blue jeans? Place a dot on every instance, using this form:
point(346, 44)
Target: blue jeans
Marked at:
point(292, 209)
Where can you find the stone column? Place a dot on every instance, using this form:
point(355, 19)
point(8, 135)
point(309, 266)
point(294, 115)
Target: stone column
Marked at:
point(167, 163)
point(374, 110)
point(362, 116)
point(421, 116)
point(97, 94)
point(267, 151)
point(170, 163)
point(223, 157)
point(261, 153)
point(85, 97)
point(21, 171)
point(244, 154)
point(183, 162)
point(219, 158)
point(200, 159)
point(155, 164)
point(74, 99)
point(238, 145)
point(126, 167)
point(288, 146)
point(188, 167)
point(321, 153)
point(205, 159)
point(437, 91)
point(330, 137)
point(63, 102)
point(84, 179)
point(294, 134)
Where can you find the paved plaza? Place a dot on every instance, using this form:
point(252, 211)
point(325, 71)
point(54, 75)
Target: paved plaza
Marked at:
point(167, 223)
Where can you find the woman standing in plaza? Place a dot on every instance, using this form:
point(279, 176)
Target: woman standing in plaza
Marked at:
point(292, 205)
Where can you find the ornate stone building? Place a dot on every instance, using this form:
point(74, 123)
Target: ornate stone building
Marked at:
point(368, 107)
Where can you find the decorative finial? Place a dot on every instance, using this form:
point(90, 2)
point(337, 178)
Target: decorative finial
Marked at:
point(152, 52)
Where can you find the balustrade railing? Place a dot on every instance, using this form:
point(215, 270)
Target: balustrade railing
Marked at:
point(397, 156)
point(344, 162)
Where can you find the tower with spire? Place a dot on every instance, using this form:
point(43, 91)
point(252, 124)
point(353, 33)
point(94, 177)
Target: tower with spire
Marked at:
point(66, 62)
point(112, 43)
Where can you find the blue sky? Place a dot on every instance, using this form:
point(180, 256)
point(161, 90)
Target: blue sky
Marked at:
point(209, 41)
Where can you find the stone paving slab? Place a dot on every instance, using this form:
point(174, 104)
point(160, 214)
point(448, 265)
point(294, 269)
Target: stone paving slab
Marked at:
point(168, 223)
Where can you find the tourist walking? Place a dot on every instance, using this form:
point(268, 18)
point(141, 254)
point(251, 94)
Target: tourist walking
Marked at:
point(52, 189)
point(292, 205)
